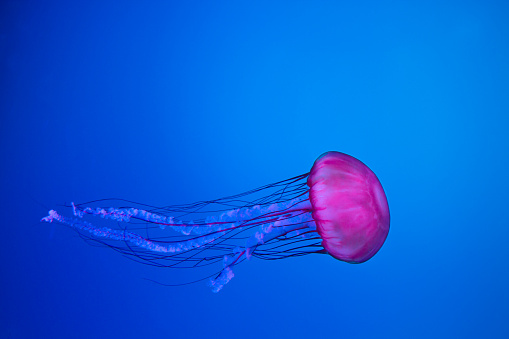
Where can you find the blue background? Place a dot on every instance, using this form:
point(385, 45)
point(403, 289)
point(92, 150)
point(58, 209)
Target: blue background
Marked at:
point(166, 102)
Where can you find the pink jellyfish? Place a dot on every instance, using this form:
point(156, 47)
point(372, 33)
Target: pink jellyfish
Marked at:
point(338, 208)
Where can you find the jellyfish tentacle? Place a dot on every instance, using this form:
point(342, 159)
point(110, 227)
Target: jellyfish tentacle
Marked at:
point(228, 230)
point(131, 237)
point(281, 224)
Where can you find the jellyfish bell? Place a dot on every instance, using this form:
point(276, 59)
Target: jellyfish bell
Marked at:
point(338, 208)
point(349, 207)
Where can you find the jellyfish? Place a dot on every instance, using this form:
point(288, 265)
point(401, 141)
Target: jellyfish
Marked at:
point(339, 208)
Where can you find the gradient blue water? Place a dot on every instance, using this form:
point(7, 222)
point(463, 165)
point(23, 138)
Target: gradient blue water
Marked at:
point(167, 103)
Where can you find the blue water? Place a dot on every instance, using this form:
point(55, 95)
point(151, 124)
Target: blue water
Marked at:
point(174, 103)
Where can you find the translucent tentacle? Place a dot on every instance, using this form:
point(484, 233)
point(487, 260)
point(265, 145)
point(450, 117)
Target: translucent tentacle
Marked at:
point(206, 233)
point(133, 238)
point(293, 220)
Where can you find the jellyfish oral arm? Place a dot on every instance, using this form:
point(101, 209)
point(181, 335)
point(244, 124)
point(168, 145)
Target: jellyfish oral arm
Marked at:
point(122, 235)
point(295, 222)
point(264, 224)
